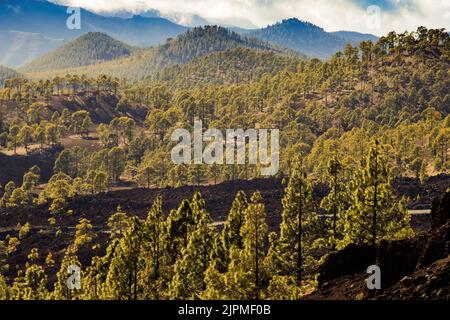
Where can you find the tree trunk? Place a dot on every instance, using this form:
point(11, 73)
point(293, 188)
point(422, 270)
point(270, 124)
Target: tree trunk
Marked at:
point(375, 204)
point(299, 245)
point(256, 259)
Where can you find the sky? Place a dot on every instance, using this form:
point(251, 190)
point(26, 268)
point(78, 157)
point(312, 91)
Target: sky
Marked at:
point(367, 16)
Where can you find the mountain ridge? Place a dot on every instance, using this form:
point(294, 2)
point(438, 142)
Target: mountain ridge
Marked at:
point(355, 37)
point(88, 49)
point(27, 16)
point(196, 42)
point(305, 37)
point(146, 29)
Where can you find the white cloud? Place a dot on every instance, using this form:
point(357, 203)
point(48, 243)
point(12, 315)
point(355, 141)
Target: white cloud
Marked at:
point(332, 15)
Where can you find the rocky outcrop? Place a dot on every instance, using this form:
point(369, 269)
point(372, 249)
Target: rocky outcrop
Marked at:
point(397, 259)
point(440, 213)
point(401, 258)
point(353, 259)
point(416, 268)
point(432, 282)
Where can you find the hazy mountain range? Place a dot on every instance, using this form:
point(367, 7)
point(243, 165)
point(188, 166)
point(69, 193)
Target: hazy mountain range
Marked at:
point(308, 38)
point(97, 53)
point(37, 20)
point(32, 28)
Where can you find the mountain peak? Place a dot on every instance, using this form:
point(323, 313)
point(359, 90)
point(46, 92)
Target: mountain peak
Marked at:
point(87, 49)
point(208, 39)
point(297, 24)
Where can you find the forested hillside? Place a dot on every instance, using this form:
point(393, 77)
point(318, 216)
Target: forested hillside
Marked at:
point(91, 48)
point(395, 90)
point(196, 42)
point(226, 67)
point(350, 126)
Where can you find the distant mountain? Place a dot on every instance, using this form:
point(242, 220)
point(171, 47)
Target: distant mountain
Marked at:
point(46, 20)
point(40, 16)
point(188, 20)
point(304, 37)
point(6, 73)
point(90, 48)
point(355, 37)
point(18, 48)
point(32, 28)
point(194, 43)
point(184, 19)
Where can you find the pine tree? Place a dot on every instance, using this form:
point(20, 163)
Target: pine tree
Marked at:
point(179, 224)
point(334, 202)
point(61, 290)
point(31, 285)
point(231, 234)
point(154, 254)
point(3, 289)
point(284, 288)
point(216, 289)
point(189, 270)
point(7, 193)
point(83, 234)
point(49, 260)
point(122, 281)
point(374, 212)
point(188, 282)
point(3, 257)
point(92, 283)
point(290, 253)
point(94, 280)
point(118, 223)
point(246, 272)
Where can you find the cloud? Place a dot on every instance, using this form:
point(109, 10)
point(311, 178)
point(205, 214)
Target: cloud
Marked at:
point(372, 16)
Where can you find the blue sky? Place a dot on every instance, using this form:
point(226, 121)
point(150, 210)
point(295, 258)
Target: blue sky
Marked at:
point(371, 16)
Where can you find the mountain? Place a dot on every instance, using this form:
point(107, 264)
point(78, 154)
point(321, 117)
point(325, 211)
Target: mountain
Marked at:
point(40, 16)
point(90, 48)
point(355, 37)
point(6, 73)
point(18, 48)
point(32, 28)
point(303, 37)
point(141, 64)
point(184, 19)
point(46, 22)
point(188, 20)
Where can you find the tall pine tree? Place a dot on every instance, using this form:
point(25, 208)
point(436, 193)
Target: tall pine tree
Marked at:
point(189, 279)
point(247, 273)
point(61, 290)
point(335, 202)
point(290, 253)
point(179, 224)
point(374, 212)
point(230, 237)
point(154, 254)
point(122, 281)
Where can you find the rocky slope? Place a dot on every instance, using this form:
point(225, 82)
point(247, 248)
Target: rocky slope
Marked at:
point(411, 269)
